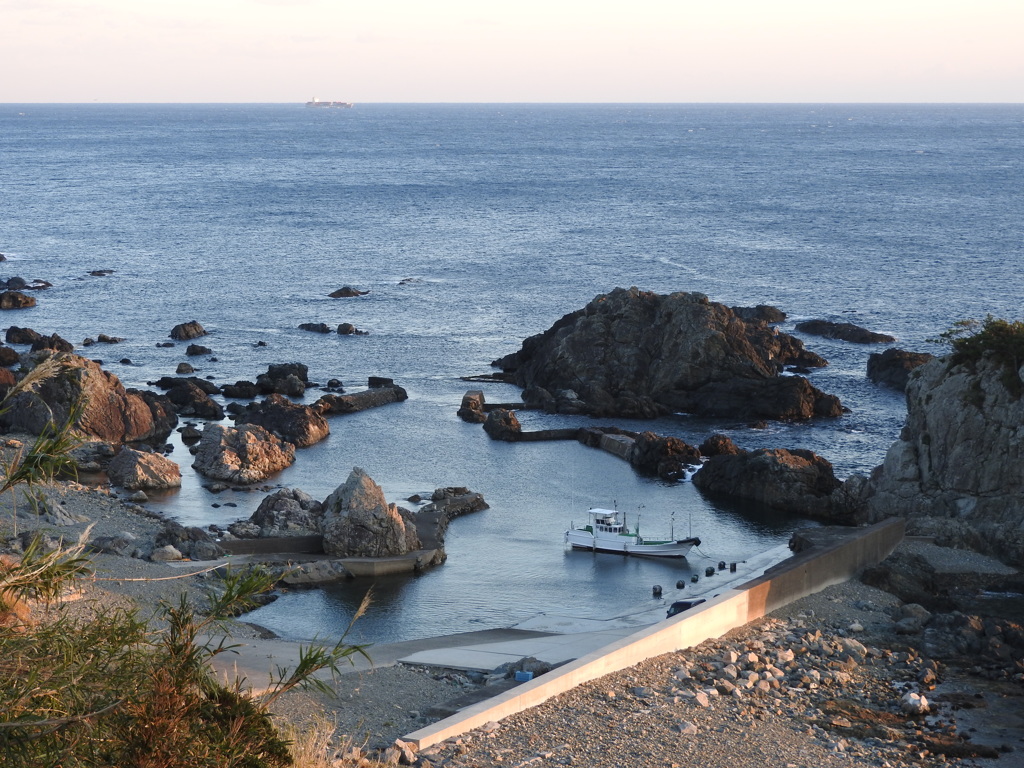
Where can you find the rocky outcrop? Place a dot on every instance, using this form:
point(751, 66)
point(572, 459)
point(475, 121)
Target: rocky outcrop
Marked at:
point(359, 522)
point(666, 457)
point(640, 355)
point(381, 392)
point(794, 480)
point(719, 445)
point(245, 454)
point(472, 408)
point(957, 471)
point(502, 424)
point(16, 300)
point(54, 342)
point(284, 379)
point(347, 292)
point(190, 399)
point(315, 327)
point(110, 412)
point(16, 335)
point(187, 331)
point(191, 542)
point(892, 367)
point(138, 470)
point(287, 512)
point(301, 425)
point(766, 313)
point(8, 356)
point(843, 332)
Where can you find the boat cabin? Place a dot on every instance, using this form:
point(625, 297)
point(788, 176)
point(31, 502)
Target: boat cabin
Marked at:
point(607, 521)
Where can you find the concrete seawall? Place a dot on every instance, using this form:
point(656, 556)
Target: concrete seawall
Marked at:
point(803, 574)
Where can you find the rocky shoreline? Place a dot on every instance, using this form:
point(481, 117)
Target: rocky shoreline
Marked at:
point(822, 682)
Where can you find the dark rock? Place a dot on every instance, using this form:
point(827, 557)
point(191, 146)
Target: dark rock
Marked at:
point(893, 366)
point(192, 400)
point(194, 350)
point(193, 542)
point(53, 342)
point(165, 344)
point(16, 335)
point(284, 379)
point(184, 368)
point(843, 331)
point(242, 390)
point(7, 380)
point(301, 425)
point(169, 382)
point(719, 445)
point(347, 292)
point(472, 408)
point(796, 480)
point(101, 272)
point(16, 300)
point(665, 457)
point(637, 354)
point(347, 329)
point(503, 425)
point(287, 512)
point(9, 356)
point(315, 327)
point(110, 412)
point(186, 331)
point(360, 401)
point(190, 434)
point(764, 313)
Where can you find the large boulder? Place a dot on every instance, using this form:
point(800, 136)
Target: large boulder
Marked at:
point(636, 354)
point(794, 480)
point(284, 379)
point(843, 332)
point(17, 335)
point(502, 424)
point(286, 512)
point(472, 408)
point(110, 412)
point(139, 470)
point(190, 399)
point(957, 470)
point(16, 300)
point(893, 366)
point(359, 522)
point(380, 392)
point(187, 331)
point(244, 454)
point(301, 425)
point(667, 457)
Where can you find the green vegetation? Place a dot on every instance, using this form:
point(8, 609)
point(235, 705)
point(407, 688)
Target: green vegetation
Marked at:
point(104, 687)
point(1002, 340)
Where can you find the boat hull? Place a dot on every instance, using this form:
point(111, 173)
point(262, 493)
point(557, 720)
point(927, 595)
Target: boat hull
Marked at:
point(627, 545)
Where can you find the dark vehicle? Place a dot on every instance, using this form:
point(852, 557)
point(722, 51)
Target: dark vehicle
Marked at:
point(683, 605)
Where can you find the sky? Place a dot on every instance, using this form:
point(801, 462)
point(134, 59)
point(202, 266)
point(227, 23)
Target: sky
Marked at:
point(676, 51)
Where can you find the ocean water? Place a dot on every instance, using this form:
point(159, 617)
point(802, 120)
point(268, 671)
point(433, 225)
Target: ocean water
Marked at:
point(473, 227)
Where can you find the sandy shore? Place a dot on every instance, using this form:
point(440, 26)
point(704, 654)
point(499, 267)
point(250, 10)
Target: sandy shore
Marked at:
point(612, 721)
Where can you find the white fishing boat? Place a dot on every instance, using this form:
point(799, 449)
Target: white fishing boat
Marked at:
point(607, 531)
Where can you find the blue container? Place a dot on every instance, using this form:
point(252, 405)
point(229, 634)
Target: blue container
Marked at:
point(522, 677)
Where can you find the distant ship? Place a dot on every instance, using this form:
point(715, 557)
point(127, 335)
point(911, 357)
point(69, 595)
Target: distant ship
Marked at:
point(339, 104)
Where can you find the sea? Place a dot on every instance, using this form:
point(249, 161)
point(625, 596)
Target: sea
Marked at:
point(473, 227)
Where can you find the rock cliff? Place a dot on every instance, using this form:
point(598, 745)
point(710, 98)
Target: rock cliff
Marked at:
point(636, 354)
point(957, 471)
point(359, 522)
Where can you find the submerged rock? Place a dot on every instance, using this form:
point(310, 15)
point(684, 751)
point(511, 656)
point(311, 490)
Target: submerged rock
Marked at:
point(843, 331)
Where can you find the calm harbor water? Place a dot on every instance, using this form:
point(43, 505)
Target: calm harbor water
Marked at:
point(474, 227)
